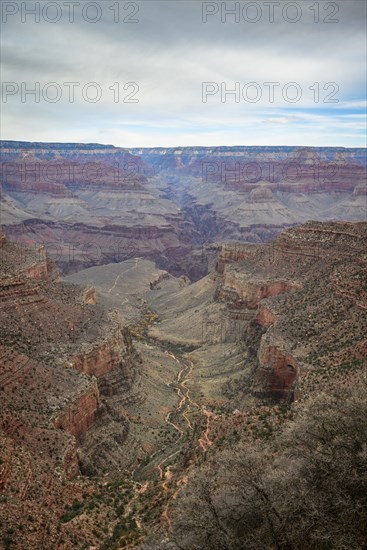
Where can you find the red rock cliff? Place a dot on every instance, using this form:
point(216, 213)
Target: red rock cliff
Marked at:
point(79, 415)
point(278, 370)
point(250, 290)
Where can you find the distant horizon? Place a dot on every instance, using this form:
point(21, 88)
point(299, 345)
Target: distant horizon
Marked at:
point(179, 146)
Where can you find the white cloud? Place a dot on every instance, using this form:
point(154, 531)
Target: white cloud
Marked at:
point(169, 54)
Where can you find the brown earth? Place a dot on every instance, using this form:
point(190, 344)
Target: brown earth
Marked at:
point(269, 326)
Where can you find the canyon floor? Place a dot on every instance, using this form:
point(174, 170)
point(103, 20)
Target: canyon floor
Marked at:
point(185, 363)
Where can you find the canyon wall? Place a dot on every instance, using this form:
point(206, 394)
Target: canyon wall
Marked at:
point(57, 341)
point(101, 358)
point(77, 417)
point(250, 291)
point(278, 373)
point(91, 204)
point(265, 317)
point(298, 294)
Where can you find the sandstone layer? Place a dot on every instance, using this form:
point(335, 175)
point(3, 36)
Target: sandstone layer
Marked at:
point(91, 204)
point(309, 291)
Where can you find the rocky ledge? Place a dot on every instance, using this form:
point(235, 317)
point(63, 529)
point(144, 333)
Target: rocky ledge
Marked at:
point(60, 345)
point(299, 293)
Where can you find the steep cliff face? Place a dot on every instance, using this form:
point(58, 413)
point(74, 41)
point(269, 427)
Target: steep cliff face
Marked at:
point(246, 286)
point(101, 358)
point(299, 294)
point(87, 348)
point(250, 291)
point(279, 373)
point(265, 317)
point(112, 361)
point(232, 252)
point(78, 416)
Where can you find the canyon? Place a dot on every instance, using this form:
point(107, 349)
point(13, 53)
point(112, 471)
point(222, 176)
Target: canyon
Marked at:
point(117, 405)
point(157, 306)
point(92, 204)
point(271, 324)
point(62, 360)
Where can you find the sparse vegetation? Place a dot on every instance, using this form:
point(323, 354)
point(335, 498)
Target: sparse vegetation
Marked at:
point(306, 488)
point(207, 446)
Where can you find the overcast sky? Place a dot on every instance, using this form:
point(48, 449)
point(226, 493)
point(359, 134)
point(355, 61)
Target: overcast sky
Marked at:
point(178, 56)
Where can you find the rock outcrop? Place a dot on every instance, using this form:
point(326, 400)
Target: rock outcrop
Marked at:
point(85, 338)
point(250, 291)
point(297, 295)
point(265, 317)
point(77, 417)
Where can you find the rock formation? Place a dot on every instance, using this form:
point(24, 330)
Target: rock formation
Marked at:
point(305, 288)
point(91, 204)
point(88, 205)
point(252, 193)
point(62, 357)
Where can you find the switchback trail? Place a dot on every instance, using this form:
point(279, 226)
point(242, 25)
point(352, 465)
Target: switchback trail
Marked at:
point(179, 419)
point(185, 404)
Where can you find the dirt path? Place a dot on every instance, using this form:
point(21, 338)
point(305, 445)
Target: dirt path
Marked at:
point(183, 393)
point(168, 482)
point(186, 402)
point(123, 273)
point(204, 441)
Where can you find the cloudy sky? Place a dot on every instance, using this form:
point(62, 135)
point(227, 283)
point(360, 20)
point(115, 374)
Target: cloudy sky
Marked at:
point(161, 73)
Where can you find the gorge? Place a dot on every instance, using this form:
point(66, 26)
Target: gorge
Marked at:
point(159, 309)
